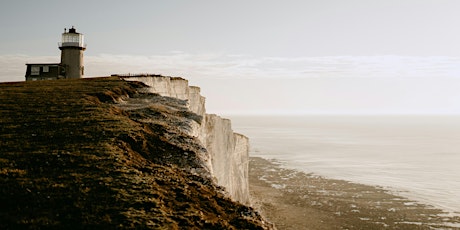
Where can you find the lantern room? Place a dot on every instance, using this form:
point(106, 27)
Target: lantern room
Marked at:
point(72, 39)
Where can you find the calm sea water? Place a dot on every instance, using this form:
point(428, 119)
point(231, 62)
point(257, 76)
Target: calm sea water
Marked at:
point(418, 157)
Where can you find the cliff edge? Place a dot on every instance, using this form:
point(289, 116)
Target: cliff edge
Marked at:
point(110, 153)
point(227, 152)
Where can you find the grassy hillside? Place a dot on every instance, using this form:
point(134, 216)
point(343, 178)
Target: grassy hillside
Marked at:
point(70, 157)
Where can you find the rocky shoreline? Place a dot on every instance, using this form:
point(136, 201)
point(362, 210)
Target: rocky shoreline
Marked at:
point(296, 200)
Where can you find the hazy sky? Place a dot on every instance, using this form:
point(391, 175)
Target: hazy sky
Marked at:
point(259, 56)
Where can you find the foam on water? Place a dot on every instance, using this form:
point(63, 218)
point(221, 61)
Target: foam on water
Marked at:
point(417, 157)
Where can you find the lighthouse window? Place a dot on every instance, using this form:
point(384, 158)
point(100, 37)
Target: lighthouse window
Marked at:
point(46, 69)
point(35, 70)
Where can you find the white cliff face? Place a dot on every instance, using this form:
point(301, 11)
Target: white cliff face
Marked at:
point(174, 87)
point(227, 151)
point(229, 156)
point(165, 86)
point(196, 101)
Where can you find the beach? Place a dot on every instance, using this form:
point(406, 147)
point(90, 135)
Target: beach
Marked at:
point(292, 199)
point(411, 156)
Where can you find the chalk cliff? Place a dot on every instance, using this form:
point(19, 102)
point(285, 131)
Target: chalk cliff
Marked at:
point(103, 153)
point(227, 152)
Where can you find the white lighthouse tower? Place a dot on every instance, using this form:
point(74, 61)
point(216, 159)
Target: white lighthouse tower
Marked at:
point(72, 47)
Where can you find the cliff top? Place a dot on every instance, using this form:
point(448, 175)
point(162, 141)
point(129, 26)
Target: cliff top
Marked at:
point(71, 157)
point(128, 75)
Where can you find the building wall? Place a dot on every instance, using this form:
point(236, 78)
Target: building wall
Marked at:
point(72, 61)
point(36, 72)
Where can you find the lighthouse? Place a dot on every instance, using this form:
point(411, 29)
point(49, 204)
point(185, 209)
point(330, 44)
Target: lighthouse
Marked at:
point(72, 46)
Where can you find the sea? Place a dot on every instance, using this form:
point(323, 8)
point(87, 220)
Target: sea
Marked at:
point(417, 157)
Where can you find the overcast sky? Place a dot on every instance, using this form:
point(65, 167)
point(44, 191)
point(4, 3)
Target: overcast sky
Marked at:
point(259, 56)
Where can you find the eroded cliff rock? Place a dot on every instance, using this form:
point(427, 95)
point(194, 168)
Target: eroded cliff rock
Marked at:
point(227, 151)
